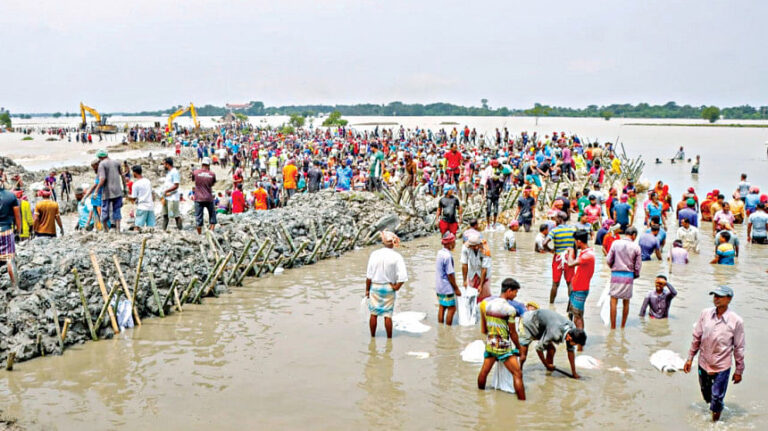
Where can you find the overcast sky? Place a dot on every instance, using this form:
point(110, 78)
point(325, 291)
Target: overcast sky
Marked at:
point(135, 55)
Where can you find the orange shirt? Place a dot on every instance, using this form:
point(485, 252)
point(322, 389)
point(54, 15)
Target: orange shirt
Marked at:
point(289, 176)
point(260, 197)
point(46, 211)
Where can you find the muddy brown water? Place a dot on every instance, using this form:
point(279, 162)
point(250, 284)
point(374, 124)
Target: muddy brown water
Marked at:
point(293, 351)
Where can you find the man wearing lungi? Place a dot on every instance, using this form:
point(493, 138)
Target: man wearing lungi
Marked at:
point(625, 260)
point(385, 275)
point(10, 217)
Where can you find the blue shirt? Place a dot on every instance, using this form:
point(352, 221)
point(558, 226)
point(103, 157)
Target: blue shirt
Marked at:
point(725, 254)
point(751, 201)
point(758, 220)
point(661, 236)
point(622, 210)
point(648, 245)
point(690, 215)
point(8, 202)
point(343, 178)
point(443, 270)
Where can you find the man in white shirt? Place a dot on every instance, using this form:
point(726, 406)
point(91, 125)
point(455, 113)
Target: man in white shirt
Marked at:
point(141, 196)
point(689, 235)
point(171, 194)
point(385, 275)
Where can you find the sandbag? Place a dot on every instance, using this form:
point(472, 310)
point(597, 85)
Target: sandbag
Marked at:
point(124, 316)
point(500, 377)
point(667, 360)
point(467, 307)
point(587, 362)
point(605, 304)
point(410, 321)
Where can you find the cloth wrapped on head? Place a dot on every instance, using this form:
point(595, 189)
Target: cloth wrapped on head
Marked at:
point(389, 238)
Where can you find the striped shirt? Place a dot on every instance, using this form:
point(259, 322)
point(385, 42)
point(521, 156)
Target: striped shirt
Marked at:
point(562, 236)
point(498, 313)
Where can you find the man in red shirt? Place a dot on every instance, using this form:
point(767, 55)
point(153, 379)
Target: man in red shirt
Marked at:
point(238, 200)
point(585, 267)
point(454, 159)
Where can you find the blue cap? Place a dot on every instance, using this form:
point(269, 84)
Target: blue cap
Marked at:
point(722, 291)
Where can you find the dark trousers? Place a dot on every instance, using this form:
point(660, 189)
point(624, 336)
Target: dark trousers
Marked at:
point(713, 387)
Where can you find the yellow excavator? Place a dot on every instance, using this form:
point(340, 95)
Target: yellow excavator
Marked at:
point(182, 111)
point(101, 123)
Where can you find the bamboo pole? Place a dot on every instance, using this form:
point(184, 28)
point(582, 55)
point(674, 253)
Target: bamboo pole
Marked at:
point(126, 291)
point(301, 248)
point(67, 322)
point(207, 280)
point(104, 294)
point(287, 236)
point(266, 259)
point(328, 244)
point(106, 308)
point(176, 299)
point(10, 360)
point(252, 262)
point(233, 274)
point(56, 324)
point(212, 285)
point(277, 263)
point(189, 288)
point(138, 272)
point(170, 290)
point(155, 294)
point(215, 251)
point(86, 313)
point(318, 245)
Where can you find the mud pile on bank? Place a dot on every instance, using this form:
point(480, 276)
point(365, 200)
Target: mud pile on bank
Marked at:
point(310, 228)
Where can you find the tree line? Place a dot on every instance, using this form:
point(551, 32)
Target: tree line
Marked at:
point(627, 110)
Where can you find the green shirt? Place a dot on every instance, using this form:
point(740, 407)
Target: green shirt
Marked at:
point(582, 203)
point(376, 164)
point(498, 314)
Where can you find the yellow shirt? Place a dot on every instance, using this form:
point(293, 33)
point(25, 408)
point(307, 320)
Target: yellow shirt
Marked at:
point(737, 208)
point(26, 218)
point(616, 165)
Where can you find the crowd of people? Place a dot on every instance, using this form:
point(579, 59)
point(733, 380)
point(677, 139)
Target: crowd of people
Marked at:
point(262, 169)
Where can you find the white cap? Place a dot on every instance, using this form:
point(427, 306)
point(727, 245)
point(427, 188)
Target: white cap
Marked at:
point(206, 161)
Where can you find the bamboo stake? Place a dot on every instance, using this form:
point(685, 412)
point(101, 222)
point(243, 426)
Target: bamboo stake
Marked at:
point(288, 237)
point(189, 288)
point(176, 299)
point(155, 294)
point(126, 291)
point(239, 262)
point(9, 361)
point(277, 264)
point(318, 245)
point(138, 272)
point(266, 259)
point(207, 279)
point(208, 236)
point(328, 244)
point(170, 290)
point(67, 322)
point(86, 313)
point(296, 254)
point(104, 294)
point(212, 285)
point(106, 308)
point(56, 324)
point(252, 262)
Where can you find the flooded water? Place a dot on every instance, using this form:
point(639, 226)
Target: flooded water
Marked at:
point(293, 351)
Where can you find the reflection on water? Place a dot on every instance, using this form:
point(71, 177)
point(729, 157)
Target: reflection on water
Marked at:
point(293, 351)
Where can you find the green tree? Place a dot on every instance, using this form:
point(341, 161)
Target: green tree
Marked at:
point(56, 114)
point(5, 119)
point(297, 120)
point(606, 114)
point(287, 129)
point(537, 111)
point(240, 116)
point(484, 103)
point(334, 119)
point(711, 113)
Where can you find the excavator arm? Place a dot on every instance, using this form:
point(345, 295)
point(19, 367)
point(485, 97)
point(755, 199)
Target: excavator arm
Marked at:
point(95, 113)
point(182, 111)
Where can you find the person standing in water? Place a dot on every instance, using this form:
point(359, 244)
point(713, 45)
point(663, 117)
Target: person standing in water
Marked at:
point(625, 261)
point(718, 334)
point(497, 320)
point(658, 301)
point(584, 264)
point(385, 275)
point(445, 281)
